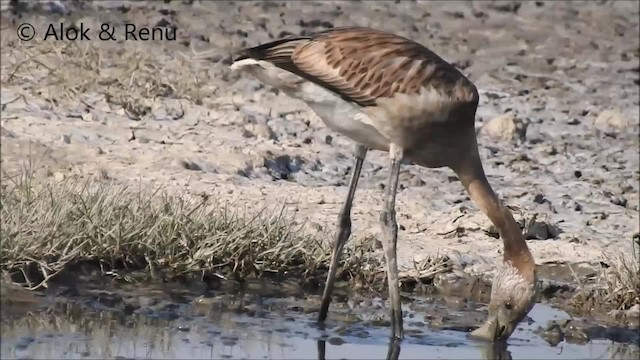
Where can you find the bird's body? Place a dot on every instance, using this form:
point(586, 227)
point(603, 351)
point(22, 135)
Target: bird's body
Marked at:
point(396, 78)
point(391, 94)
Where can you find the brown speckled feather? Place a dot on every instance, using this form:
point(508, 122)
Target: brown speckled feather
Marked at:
point(362, 64)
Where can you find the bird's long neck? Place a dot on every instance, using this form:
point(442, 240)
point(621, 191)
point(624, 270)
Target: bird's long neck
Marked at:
point(472, 176)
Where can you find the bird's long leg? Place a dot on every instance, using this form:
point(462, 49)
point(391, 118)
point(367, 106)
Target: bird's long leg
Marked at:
point(393, 352)
point(344, 231)
point(390, 239)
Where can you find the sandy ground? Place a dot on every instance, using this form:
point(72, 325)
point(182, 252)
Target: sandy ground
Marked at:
point(558, 117)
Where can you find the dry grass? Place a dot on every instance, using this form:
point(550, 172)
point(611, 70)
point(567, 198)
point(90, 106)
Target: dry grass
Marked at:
point(622, 279)
point(125, 75)
point(47, 227)
point(616, 286)
point(50, 226)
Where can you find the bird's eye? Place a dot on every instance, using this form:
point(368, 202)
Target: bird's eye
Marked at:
point(508, 305)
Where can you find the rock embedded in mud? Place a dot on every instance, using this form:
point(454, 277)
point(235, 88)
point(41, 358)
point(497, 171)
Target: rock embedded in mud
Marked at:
point(553, 334)
point(611, 119)
point(189, 165)
point(282, 166)
point(336, 341)
point(246, 133)
point(634, 310)
point(540, 230)
point(504, 127)
point(631, 316)
point(263, 131)
point(183, 328)
point(619, 200)
point(539, 199)
point(575, 334)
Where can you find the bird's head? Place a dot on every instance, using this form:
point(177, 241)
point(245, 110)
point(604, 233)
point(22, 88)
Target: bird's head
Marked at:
point(513, 294)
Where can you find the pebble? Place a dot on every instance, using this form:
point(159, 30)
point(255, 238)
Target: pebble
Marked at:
point(189, 165)
point(264, 131)
point(540, 230)
point(576, 335)
point(501, 127)
point(634, 310)
point(609, 119)
point(619, 200)
point(58, 176)
point(553, 334)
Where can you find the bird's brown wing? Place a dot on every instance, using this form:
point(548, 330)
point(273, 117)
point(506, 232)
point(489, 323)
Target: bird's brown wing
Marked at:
point(360, 64)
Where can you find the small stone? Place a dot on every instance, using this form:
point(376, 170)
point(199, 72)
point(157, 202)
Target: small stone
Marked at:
point(190, 165)
point(634, 310)
point(99, 151)
point(184, 328)
point(611, 119)
point(58, 176)
point(575, 335)
point(335, 341)
point(247, 134)
point(87, 117)
point(553, 335)
point(502, 127)
point(264, 131)
point(539, 199)
point(574, 122)
point(328, 139)
point(540, 230)
point(619, 200)
point(575, 240)
point(66, 139)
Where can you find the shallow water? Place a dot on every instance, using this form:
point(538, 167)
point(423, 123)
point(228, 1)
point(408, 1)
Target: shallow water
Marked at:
point(255, 327)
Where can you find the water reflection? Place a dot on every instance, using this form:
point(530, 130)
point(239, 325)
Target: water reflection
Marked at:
point(489, 351)
point(393, 352)
point(70, 331)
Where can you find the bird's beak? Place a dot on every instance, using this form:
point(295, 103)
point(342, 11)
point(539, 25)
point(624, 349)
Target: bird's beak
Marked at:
point(491, 330)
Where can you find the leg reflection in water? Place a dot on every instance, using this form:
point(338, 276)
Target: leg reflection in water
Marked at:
point(489, 350)
point(392, 353)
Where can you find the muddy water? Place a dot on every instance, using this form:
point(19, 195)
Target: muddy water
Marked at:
point(155, 322)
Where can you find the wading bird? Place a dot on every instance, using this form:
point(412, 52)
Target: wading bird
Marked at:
point(389, 93)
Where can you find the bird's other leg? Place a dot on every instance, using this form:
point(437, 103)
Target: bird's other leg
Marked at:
point(390, 239)
point(343, 232)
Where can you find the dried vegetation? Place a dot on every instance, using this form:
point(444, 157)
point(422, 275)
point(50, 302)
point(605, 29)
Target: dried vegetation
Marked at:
point(47, 227)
